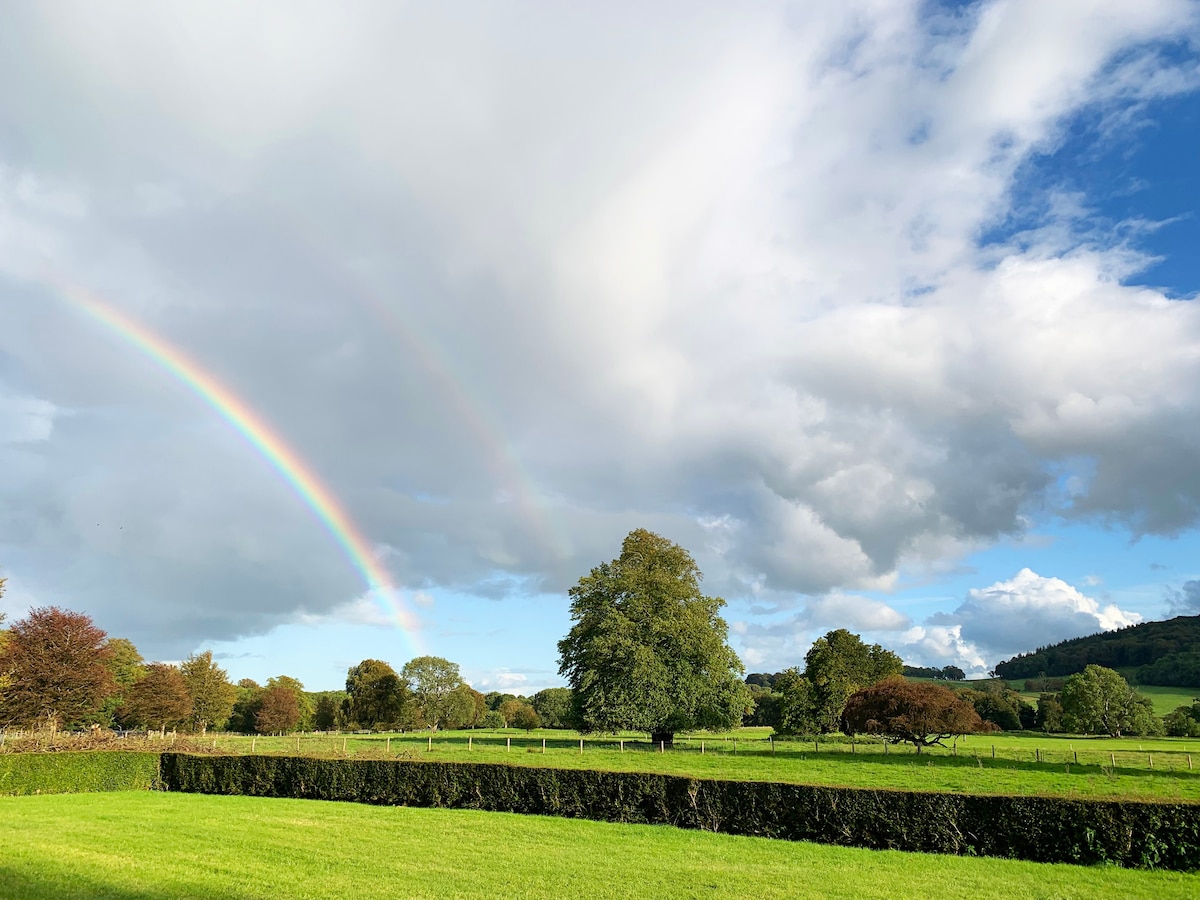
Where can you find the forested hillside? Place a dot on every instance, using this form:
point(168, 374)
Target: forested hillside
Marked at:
point(1165, 653)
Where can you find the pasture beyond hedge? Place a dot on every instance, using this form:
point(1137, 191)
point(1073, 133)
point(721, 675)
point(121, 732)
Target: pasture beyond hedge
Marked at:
point(1029, 765)
point(154, 846)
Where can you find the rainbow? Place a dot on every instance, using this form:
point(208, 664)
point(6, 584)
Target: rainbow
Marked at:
point(519, 486)
point(290, 466)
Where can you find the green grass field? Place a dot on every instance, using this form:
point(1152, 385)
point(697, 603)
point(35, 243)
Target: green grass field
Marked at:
point(1024, 764)
point(153, 846)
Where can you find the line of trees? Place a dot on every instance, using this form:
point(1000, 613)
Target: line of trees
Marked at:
point(58, 670)
point(647, 651)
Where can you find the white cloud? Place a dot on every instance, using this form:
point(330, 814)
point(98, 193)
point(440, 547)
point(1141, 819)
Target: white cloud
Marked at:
point(1019, 615)
point(711, 270)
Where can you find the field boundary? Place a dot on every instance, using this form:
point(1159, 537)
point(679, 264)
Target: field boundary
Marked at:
point(1135, 834)
point(78, 772)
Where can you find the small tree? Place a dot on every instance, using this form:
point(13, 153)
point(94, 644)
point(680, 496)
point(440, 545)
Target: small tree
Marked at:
point(325, 716)
point(920, 713)
point(432, 680)
point(526, 717)
point(213, 696)
point(278, 711)
point(57, 661)
point(159, 699)
point(376, 697)
point(648, 650)
point(492, 719)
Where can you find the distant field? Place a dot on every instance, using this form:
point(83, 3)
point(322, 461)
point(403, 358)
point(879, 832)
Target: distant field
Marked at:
point(153, 846)
point(1033, 764)
point(1167, 699)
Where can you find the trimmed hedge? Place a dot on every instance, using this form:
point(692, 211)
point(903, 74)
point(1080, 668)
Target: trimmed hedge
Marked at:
point(77, 772)
point(1043, 829)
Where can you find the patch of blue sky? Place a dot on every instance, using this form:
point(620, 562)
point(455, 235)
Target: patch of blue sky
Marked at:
point(1133, 169)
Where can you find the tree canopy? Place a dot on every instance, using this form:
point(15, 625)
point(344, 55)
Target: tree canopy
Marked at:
point(648, 651)
point(917, 712)
point(376, 697)
point(1099, 700)
point(57, 661)
point(432, 681)
point(839, 664)
point(213, 696)
point(159, 699)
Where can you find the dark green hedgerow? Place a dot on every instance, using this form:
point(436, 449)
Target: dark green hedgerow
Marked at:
point(1045, 829)
point(77, 772)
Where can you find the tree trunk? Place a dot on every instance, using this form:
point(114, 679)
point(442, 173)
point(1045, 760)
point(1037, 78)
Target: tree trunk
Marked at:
point(666, 738)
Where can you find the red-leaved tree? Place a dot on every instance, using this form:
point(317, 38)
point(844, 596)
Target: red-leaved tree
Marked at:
point(917, 712)
point(56, 662)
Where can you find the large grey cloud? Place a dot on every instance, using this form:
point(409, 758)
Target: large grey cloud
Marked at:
point(515, 283)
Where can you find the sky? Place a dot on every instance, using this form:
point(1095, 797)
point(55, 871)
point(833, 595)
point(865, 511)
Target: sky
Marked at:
point(364, 330)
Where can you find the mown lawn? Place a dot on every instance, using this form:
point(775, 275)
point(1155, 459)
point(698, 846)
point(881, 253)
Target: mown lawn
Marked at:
point(152, 846)
point(1034, 764)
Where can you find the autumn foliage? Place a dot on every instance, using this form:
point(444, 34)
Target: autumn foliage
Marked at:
point(919, 713)
point(57, 664)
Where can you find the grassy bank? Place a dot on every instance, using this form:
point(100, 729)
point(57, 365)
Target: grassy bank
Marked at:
point(144, 846)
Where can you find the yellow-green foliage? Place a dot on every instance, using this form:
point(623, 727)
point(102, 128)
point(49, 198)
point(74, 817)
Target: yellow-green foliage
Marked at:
point(69, 773)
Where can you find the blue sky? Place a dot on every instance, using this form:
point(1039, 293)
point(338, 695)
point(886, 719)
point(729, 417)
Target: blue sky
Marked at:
point(884, 310)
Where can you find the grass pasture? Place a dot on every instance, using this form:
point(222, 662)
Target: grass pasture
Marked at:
point(152, 846)
point(1155, 769)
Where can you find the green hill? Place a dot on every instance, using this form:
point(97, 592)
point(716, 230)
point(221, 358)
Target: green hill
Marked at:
point(1163, 653)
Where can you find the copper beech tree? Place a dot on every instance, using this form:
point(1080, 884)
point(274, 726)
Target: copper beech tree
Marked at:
point(919, 713)
point(57, 665)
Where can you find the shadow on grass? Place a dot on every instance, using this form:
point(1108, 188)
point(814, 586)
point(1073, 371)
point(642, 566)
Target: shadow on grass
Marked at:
point(66, 884)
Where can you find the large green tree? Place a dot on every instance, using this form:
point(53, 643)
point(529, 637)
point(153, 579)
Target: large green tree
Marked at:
point(648, 650)
point(1099, 700)
point(57, 661)
point(212, 693)
point(553, 707)
point(840, 664)
point(376, 697)
point(432, 681)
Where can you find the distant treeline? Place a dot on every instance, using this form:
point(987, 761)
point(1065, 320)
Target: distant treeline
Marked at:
point(1162, 653)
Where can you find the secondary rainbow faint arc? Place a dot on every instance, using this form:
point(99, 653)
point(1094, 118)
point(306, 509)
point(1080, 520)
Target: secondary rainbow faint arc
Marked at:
point(294, 470)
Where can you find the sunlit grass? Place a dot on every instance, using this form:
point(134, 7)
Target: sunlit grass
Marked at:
point(152, 846)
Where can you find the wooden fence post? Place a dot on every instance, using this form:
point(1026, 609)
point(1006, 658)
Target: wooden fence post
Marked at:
point(543, 745)
point(581, 746)
point(1113, 759)
point(253, 743)
point(431, 742)
point(622, 745)
point(469, 739)
point(662, 746)
point(508, 744)
point(702, 748)
point(343, 745)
